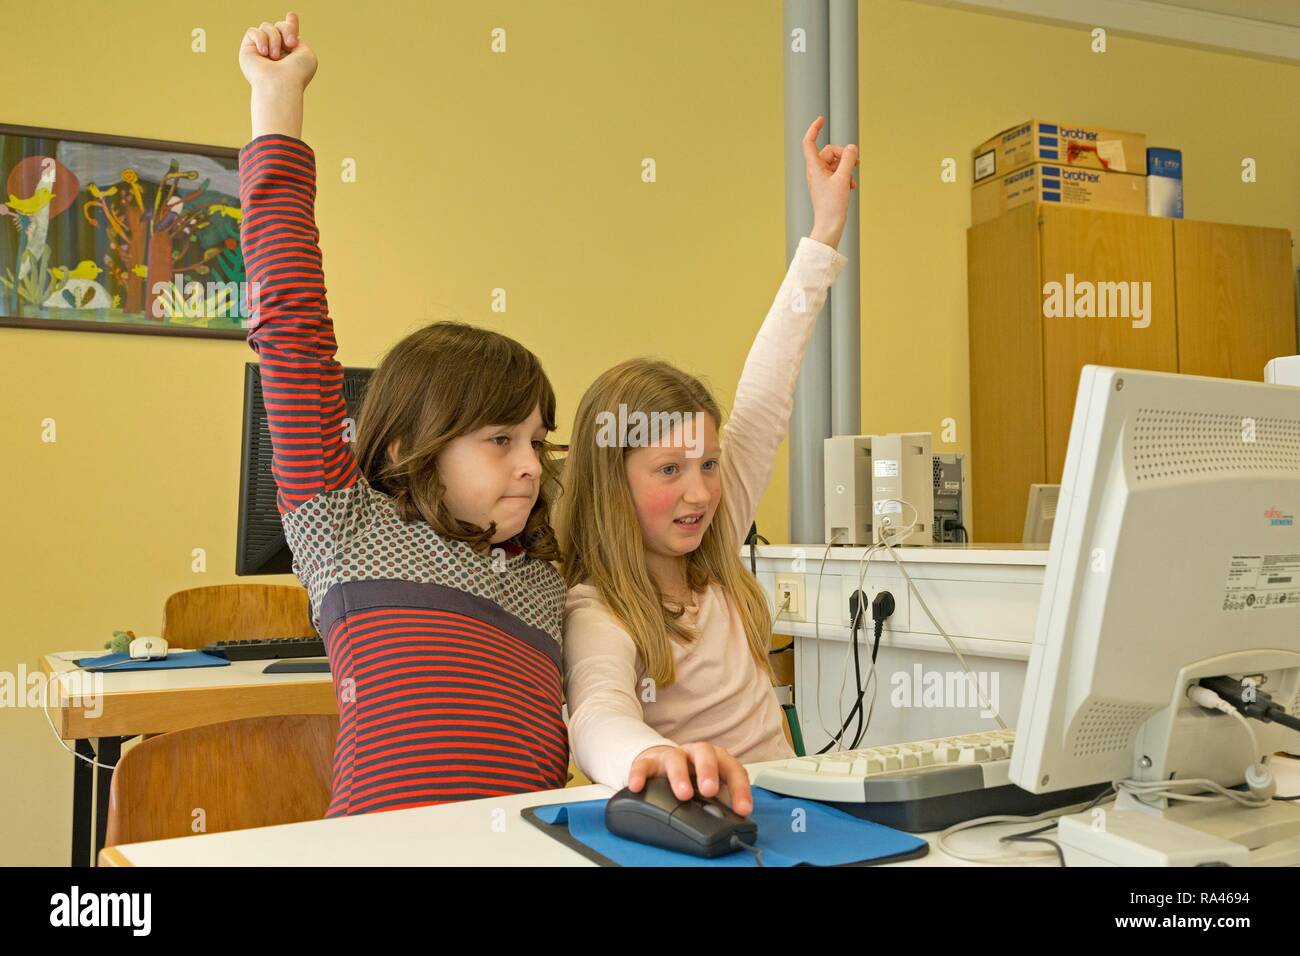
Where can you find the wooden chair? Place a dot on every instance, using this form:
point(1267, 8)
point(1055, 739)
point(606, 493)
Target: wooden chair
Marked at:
point(256, 772)
point(196, 616)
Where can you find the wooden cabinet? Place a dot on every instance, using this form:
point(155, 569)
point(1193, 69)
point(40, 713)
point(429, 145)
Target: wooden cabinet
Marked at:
point(1053, 289)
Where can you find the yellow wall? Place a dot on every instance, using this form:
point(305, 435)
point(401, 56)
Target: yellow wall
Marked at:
point(522, 171)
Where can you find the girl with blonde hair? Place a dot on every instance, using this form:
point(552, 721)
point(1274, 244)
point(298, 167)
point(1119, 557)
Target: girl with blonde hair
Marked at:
point(666, 634)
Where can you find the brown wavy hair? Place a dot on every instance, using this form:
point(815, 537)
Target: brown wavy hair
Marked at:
point(440, 382)
point(600, 536)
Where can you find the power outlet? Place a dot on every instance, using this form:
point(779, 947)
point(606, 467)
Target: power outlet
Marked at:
point(791, 589)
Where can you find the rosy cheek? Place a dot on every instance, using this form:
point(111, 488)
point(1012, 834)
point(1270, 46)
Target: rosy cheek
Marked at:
point(656, 505)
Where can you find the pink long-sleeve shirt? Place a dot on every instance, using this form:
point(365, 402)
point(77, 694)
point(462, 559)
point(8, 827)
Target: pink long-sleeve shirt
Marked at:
point(720, 695)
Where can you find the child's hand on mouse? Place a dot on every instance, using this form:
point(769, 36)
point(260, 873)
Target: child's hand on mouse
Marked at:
point(830, 180)
point(713, 767)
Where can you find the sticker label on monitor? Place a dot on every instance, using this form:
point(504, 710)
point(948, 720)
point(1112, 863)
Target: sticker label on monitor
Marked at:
point(886, 467)
point(1262, 581)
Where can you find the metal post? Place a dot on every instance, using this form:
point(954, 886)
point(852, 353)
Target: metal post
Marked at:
point(807, 95)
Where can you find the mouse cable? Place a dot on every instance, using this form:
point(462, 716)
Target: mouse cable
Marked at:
point(1016, 838)
point(739, 844)
point(942, 843)
point(45, 709)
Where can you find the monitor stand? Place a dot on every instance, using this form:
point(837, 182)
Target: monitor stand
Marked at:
point(1184, 834)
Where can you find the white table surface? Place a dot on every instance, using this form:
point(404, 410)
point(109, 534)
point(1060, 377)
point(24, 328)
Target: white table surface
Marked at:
point(486, 832)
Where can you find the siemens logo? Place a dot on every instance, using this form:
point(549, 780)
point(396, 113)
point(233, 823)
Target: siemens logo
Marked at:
point(1078, 134)
point(1081, 175)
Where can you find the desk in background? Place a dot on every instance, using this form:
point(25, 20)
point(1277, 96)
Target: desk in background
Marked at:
point(154, 702)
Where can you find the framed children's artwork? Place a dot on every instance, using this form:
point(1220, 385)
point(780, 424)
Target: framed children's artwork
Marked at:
point(115, 234)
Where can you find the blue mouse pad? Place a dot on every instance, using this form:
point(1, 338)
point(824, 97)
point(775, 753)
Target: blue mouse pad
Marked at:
point(118, 662)
point(791, 832)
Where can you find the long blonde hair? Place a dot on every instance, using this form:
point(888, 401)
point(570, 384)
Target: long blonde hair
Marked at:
point(600, 536)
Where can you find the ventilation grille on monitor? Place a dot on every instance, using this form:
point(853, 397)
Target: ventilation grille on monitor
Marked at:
point(1171, 443)
point(1106, 726)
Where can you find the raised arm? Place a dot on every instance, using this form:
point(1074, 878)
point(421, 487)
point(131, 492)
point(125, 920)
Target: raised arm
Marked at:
point(291, 331)
point(760, 415)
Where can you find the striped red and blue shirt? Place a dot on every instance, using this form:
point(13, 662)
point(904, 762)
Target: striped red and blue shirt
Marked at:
point(446, 661)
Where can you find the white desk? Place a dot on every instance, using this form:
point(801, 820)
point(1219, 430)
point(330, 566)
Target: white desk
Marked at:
point(487, 832)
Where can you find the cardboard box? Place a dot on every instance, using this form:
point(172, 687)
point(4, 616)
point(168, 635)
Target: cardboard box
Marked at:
point(1165, 183)
point(1039, 142)
point(1062, 185)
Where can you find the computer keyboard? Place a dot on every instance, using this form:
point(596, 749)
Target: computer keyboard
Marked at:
point(266, 648)
point(919, 786)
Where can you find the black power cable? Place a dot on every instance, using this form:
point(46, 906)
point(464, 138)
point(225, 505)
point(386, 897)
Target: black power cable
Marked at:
point(752, 540)
point(881, 608)
point(1254, 703)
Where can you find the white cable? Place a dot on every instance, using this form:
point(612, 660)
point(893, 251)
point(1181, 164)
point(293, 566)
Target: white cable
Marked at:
point(887, 526)
point(872, 680)
point(45, 709)
point(817, 635)
point(848, 651)
point(1006, 856)
point(889, 547)
point(1204, 697)
point(1259, 778)
point(1165, 789)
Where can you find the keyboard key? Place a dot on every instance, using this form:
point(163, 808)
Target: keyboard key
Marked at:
point(973, 755)
point(834, 768)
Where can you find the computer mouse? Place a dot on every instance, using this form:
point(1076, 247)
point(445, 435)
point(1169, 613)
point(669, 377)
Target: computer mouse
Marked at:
point(702, 826)
point(148, 648)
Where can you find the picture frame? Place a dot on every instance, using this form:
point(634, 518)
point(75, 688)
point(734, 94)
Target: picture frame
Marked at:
point(106, 233)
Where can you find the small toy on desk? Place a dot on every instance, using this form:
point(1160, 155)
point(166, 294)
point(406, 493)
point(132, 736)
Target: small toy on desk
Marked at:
point(121, 642)
point(702, 826)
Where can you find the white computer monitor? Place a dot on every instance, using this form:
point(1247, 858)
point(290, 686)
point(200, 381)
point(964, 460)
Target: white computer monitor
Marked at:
point(1040, 514)
point(1176, 556)
point(1283, 371)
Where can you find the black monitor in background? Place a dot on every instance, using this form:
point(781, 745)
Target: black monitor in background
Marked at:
point(260, 546)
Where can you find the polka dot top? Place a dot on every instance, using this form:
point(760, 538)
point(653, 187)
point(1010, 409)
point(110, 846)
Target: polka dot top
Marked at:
point(446, 661)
